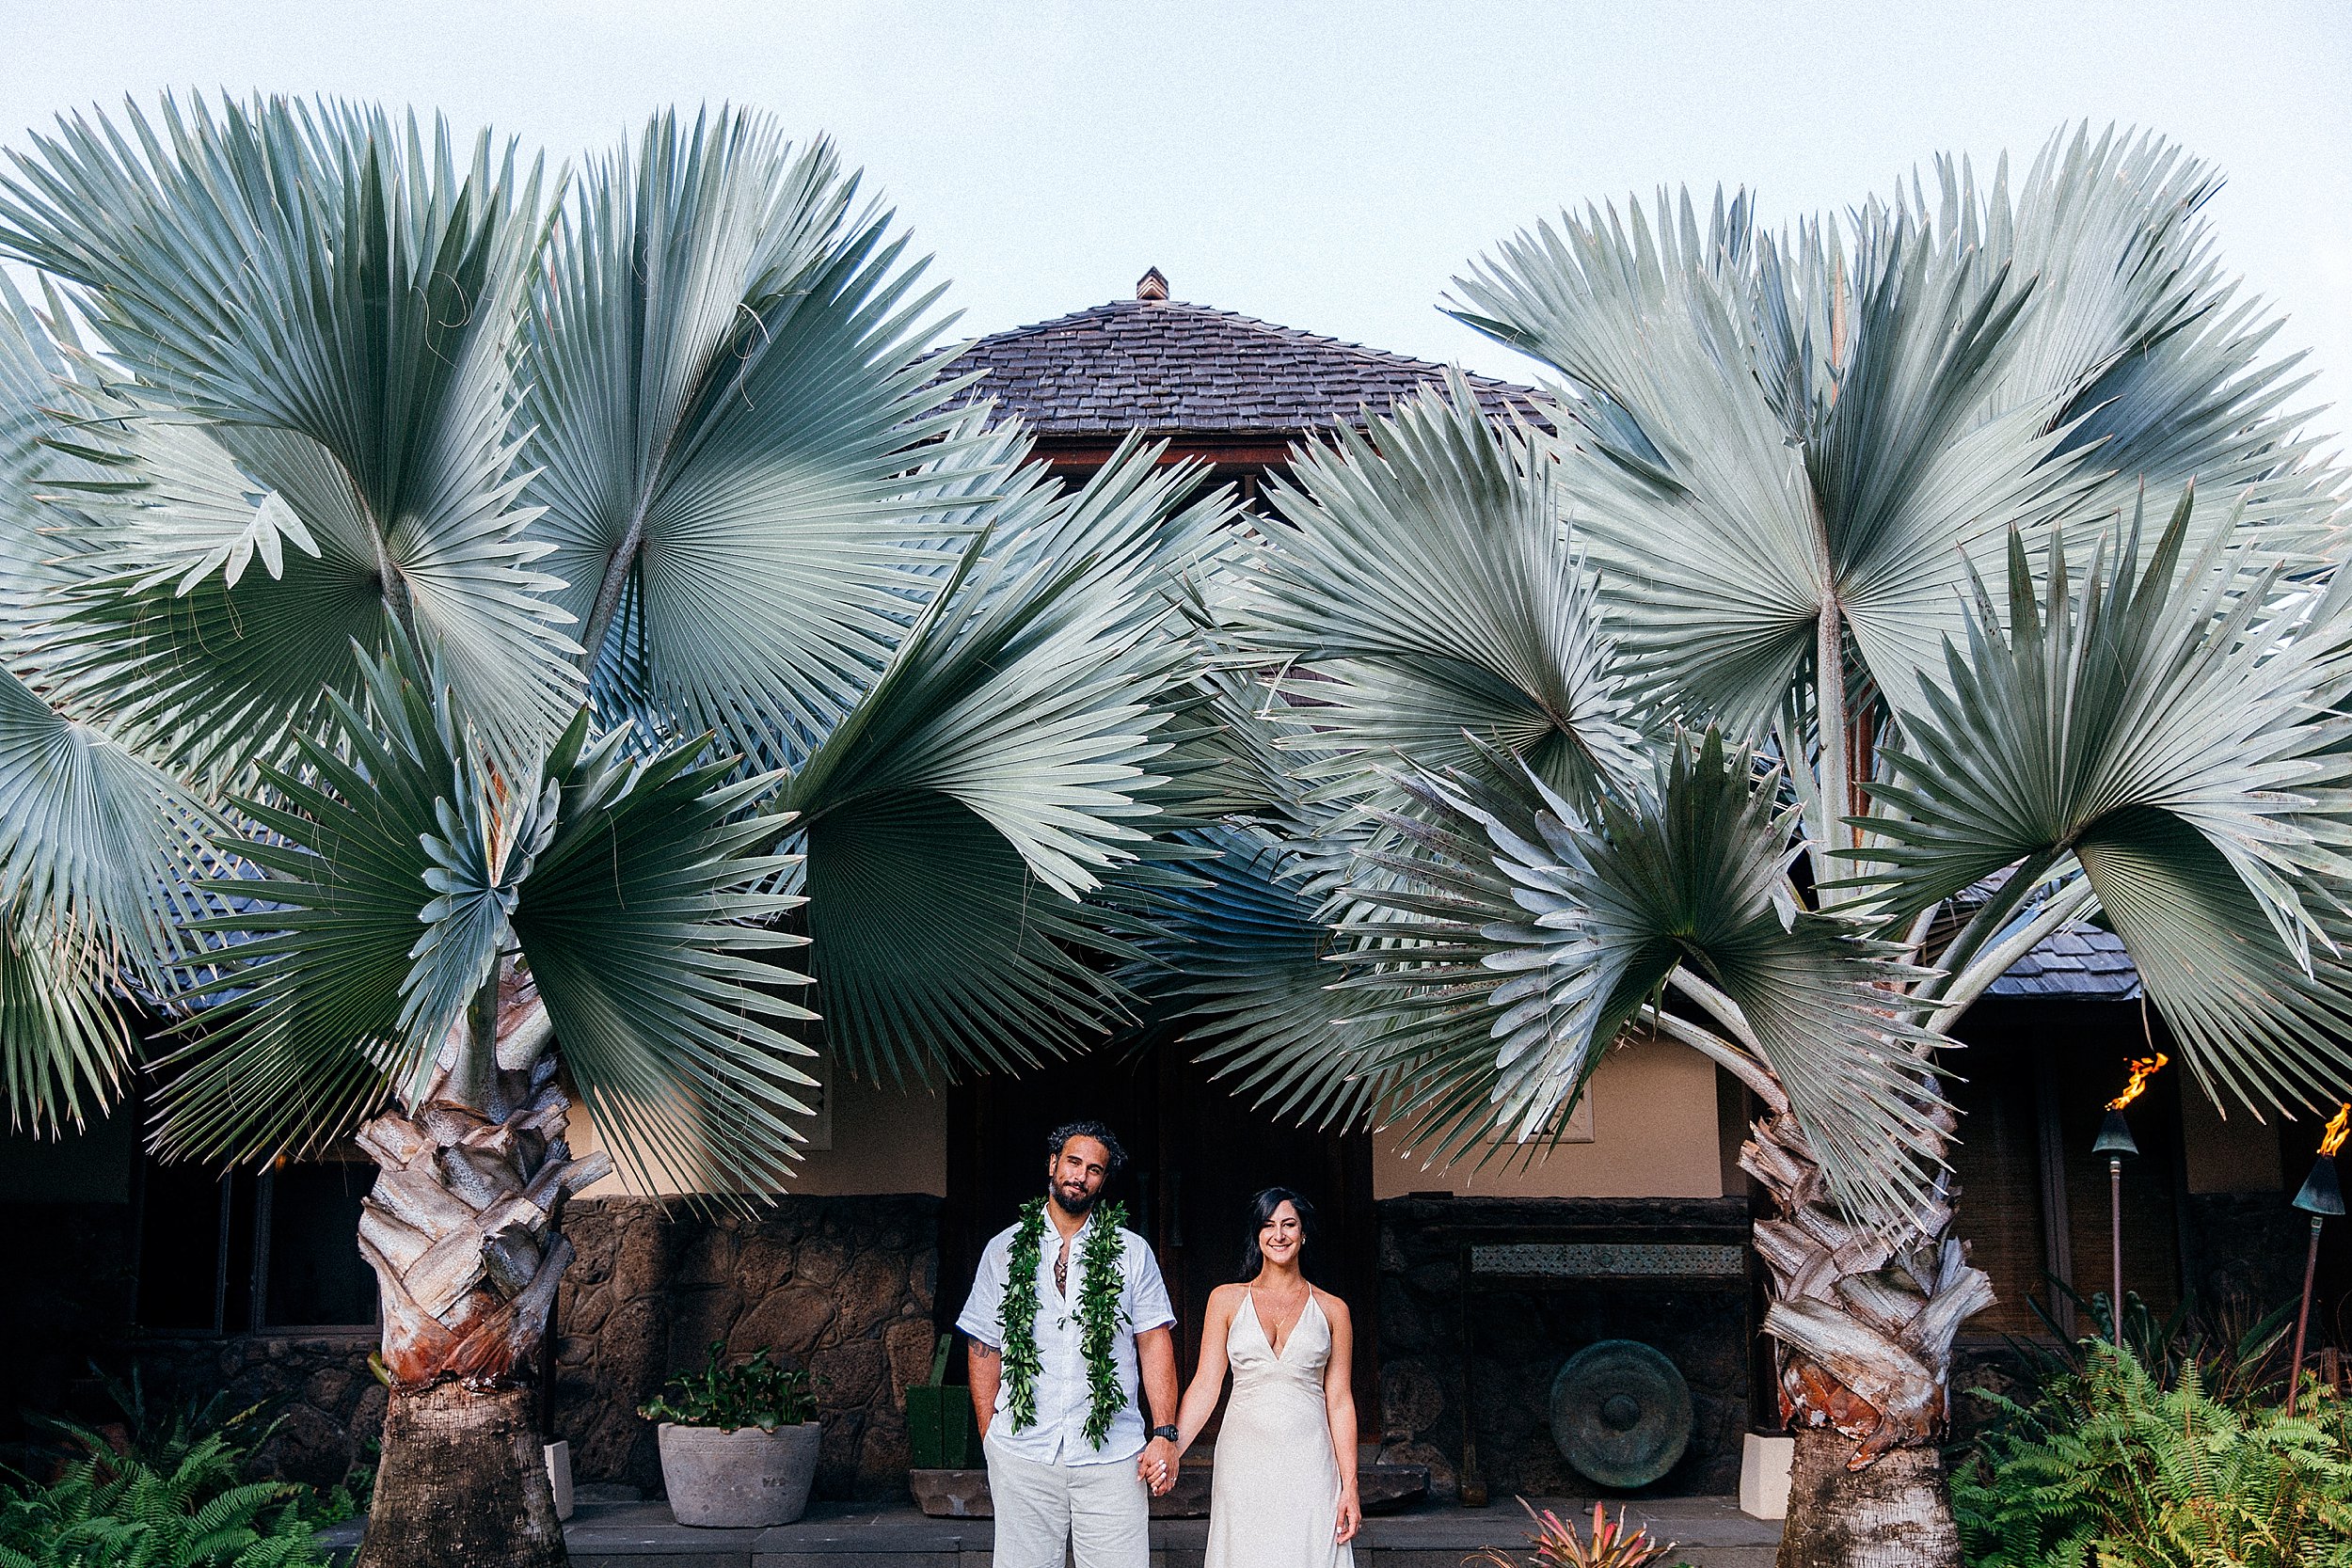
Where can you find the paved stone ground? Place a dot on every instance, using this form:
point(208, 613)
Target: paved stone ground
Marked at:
point(1712, 1531)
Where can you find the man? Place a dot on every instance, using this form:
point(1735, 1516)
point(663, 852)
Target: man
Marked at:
point(1066, 1310)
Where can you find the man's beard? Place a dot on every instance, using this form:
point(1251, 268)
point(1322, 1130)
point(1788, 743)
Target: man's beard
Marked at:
point(1076, 1208)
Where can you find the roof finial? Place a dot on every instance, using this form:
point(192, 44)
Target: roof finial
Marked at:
point(1151, 285)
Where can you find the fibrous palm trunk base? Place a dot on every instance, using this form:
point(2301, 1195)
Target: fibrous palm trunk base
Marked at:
point(1865, 1330)
point(462, 1231)
point(1895, 1513)
point(464, 1481)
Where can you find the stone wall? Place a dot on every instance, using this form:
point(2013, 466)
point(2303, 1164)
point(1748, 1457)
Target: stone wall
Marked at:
point(1521, 1336)
point(843, 1286)
point(325, 1405)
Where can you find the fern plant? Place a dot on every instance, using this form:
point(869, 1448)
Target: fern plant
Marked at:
point(2109, 1468)
point(119, 1512)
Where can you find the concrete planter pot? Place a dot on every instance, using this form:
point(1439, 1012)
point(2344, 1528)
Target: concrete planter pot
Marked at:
point(744, 1478)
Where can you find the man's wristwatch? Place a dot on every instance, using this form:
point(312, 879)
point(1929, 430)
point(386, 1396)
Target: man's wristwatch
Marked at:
point(1171, 1433)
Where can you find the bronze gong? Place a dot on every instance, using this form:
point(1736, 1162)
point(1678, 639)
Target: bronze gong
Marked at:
point(1621, 1413)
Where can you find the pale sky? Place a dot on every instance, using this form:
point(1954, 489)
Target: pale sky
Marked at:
point(1324, 166)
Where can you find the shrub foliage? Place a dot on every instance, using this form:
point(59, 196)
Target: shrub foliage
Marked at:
point(758, 1393)
point(122, 1512)
point(2108, 1467)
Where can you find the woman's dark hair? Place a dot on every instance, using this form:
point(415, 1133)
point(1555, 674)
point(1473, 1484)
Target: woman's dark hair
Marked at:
point(1059, 1136)
point(1260, 1211)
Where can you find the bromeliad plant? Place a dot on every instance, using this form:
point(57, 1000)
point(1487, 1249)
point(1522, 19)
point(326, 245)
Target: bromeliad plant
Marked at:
point(1559, 1544)
point(1870, 604)
point(754, 1392)
point(462, 643)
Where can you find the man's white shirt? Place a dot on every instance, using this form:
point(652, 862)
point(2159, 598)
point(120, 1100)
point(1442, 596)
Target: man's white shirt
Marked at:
point(1058, 1434)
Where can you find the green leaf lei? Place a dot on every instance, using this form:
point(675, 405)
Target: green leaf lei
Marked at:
point(1017, 1321)
point(1099, 1318)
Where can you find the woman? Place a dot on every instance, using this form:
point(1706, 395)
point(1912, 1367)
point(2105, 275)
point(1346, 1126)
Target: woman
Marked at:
point(1284, 1493)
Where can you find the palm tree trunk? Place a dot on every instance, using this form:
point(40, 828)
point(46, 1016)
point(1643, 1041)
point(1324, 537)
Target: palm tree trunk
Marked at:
point(462, 1229)
point(463, 1480)
point(1865, 1331)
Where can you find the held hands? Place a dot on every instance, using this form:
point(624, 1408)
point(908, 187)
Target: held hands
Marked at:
point(1351, 1517)
point(1157, 1465)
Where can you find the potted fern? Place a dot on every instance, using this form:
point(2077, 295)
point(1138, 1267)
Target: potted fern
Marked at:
point(738, 1444)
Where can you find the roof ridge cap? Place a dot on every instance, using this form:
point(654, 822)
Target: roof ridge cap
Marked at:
point(1109, 306)
point(1379, 356)
point(1276, 329)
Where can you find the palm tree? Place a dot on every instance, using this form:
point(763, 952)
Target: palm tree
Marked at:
point(1872, 607)
point(465, 647)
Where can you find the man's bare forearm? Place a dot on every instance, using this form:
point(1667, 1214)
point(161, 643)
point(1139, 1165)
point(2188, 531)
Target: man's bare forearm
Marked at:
point(987, 1368)
point(1155, 1351)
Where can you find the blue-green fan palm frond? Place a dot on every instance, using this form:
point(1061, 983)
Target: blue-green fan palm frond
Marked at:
point(961, 823)
point(1874, 406)
point(1765, 430)
point(1519, 936)
point(748, 459)
point(37, 560)
point(1421, 595)
point(96, 844)
point(401, 878)
point(312, 312)
point(1236, 954)
point(2156, 353)
point(1423, 583)
point(2172, 722)
point(651, 928)
point(97, 847)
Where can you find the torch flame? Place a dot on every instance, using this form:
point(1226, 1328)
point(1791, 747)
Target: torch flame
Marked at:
point(2143, 1069)
point(2331, 1138)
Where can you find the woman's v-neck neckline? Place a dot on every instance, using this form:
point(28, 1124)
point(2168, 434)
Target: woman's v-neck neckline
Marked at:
point(1282, 1351)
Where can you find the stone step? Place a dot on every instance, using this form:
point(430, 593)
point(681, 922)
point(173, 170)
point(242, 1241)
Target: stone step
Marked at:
point(1711, 1532)
point(964, 1494)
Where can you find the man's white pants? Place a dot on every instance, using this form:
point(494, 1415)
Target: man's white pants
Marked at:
point(1100, 1514)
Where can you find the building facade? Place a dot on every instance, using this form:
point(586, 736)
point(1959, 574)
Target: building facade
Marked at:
point(1477, 1281)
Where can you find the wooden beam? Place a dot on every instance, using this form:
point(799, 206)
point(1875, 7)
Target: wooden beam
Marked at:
point(2058, 1241)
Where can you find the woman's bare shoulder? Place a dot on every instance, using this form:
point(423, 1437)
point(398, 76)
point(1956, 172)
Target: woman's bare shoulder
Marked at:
point(1226, 1296)
point(1333, 1308)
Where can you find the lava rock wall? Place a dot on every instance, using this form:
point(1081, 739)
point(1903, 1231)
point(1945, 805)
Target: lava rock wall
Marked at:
point(842, 1286)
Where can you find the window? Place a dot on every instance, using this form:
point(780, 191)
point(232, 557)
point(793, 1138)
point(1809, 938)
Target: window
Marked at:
point(249, 1250)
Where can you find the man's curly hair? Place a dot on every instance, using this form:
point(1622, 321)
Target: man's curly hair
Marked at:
point(1060, 1137)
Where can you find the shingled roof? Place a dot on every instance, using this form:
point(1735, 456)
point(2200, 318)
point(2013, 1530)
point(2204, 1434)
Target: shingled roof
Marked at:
point(2087, 963)
point(1164, 367)
point(2083, 962)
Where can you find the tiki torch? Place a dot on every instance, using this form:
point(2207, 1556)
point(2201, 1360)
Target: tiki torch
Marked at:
point(2321, 1196)
point(2114, 1141)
